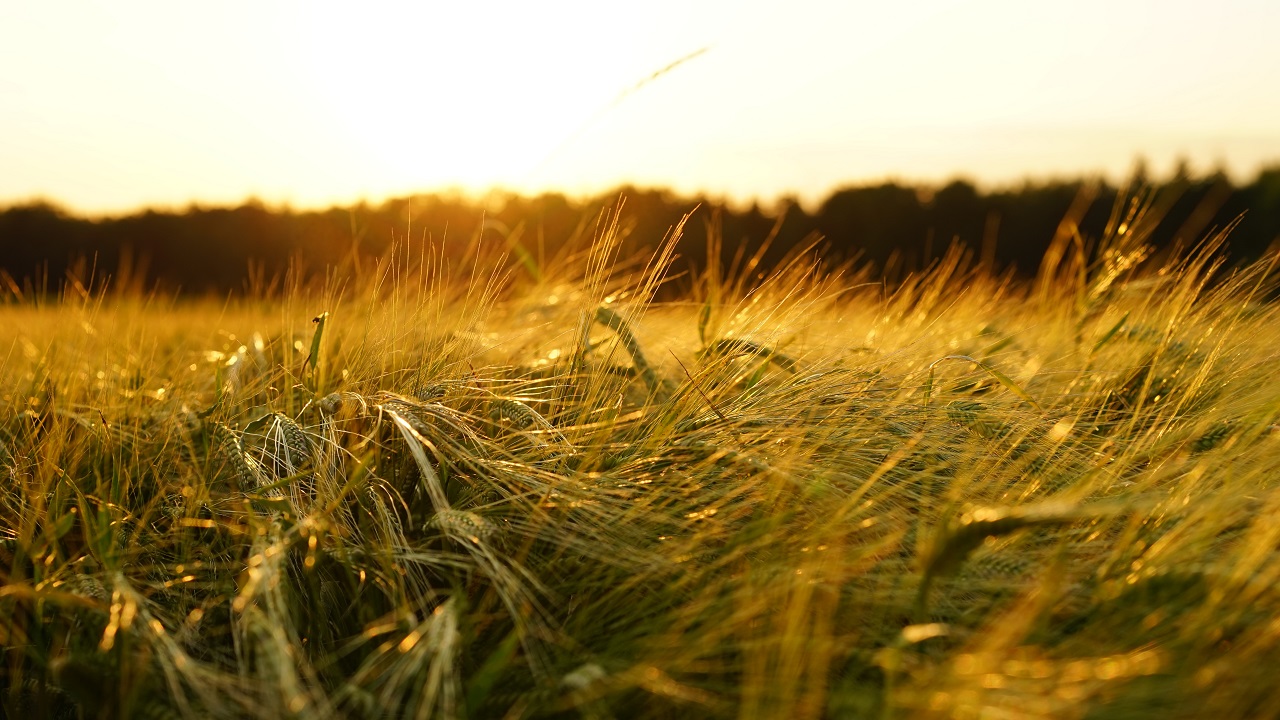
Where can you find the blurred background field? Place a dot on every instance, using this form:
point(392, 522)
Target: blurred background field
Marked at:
point(896, 228)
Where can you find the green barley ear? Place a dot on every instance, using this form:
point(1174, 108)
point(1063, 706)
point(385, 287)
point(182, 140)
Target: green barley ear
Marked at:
point(86, 583)
point(1213, 438)
point(230, 446)
point(32, 697)
point(973, 415)
point(611, 319)
point(1110, 335)
point(954, 543)
point(523, 417)
point(296, 443)
point(331, 404)
point(420, 424)
point(173, 506)
point(461, 524)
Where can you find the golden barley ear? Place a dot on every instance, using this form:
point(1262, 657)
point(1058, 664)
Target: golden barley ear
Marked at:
point(337, 404)
point(431, 393)
point(516, 413)
point(411, 416)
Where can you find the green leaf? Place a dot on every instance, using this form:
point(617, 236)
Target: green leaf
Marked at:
point(313, 359)
point(64, 524)
point(488, 674)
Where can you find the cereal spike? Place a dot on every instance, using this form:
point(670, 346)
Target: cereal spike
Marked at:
point(297, 444)
point(231, 447)
point(611, 319)
point(516, 413)
point(462, 524)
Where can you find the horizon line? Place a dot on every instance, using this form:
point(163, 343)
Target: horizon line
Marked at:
point(1139, 167)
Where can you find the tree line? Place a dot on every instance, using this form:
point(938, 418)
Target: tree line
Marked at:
point(897, 227)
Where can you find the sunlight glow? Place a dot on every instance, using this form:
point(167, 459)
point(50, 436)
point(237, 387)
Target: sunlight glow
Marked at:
point(111, 106)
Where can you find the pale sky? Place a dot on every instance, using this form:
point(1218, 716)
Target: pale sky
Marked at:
point(106, 107)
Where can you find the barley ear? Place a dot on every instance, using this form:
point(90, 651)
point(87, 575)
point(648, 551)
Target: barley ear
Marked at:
point(956, 541)
point(991, 370)
point(737, 346)
point(516, 413)
point(297, 444)
point(611, 319)
point(462, 524)
point(230, 446)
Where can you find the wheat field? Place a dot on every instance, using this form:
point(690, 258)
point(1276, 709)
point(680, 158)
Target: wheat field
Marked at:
point(604, 487)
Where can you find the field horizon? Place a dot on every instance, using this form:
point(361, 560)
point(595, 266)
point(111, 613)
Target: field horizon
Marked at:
point(477, 482)
point(899, 228)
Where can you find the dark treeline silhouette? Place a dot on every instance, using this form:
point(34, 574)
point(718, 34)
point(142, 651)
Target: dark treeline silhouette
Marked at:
point(896, 227)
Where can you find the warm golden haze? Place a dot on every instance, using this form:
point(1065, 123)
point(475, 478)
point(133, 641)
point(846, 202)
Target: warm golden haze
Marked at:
point(112, 107)
point(906, 438)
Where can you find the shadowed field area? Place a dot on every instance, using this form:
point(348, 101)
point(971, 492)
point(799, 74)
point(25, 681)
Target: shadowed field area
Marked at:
point(432, 490)
point(898, 228)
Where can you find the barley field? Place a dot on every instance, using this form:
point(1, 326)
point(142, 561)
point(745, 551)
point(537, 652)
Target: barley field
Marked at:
point(602, 486)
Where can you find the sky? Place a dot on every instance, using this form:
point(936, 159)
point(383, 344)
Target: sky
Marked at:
point(108, 107)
